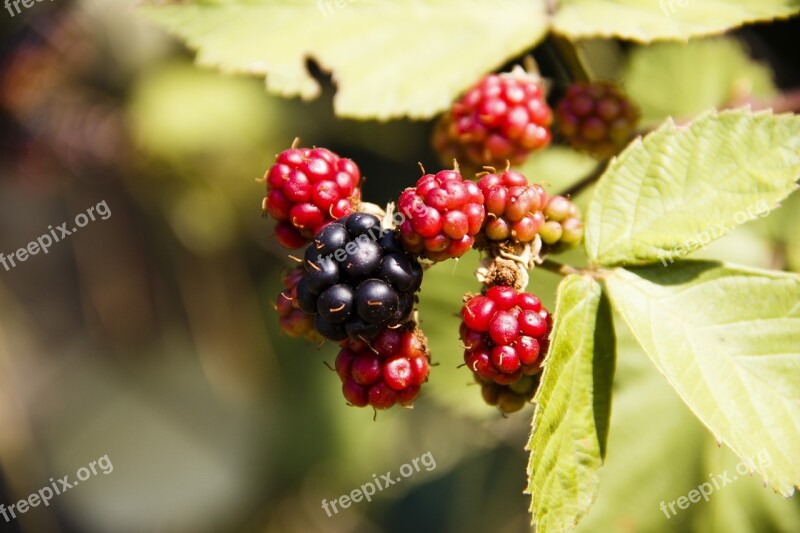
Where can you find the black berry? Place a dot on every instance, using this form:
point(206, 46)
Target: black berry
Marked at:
point(358, 279)
point(361, 224)
point(335, 303)
point(331, 238)
point(329, 330)
point(363, 260)
point(376, 301)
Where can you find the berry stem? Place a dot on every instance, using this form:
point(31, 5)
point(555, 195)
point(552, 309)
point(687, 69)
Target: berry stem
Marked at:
point(559, 268)
point(785, 102)
point(586, 181)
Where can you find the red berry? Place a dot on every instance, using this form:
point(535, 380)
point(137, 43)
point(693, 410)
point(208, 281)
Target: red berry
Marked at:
point(343, 365)
point(527, 349)
point(306, 189)
point(408, 395)
point(420, 367)
point(503, 117)
point(514, 207)
point(505, 359)
point(292, 320)
point(504, 334)
point(388, 342)
point(477, 312)
point(288, 236)
point(381, 396)
point(531, 323)
point(355, 394)
point(397, 372)
point(386, 371)
point(596, 117)
point(480, 362)
point(306, 216)
point(366, 368)
point(505, 297)
point(277, 205)
point(440, 216)
point(503, 328)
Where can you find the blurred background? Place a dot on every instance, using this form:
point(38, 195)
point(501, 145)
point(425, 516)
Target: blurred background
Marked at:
point(150, 337)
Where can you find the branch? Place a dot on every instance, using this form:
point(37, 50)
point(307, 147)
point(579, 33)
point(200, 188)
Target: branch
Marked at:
point(586, 181)
point(558, 268)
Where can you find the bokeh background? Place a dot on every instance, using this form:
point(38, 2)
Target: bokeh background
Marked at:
point(150, 337)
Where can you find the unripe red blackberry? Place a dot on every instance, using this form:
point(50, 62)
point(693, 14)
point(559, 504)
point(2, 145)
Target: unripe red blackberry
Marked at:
point(390, 370)
point(563, 227)
point(508, 398)
point(307, 188)
point(596, 117)
point(292, 319)
point(440, 216)
point(505, 334)
point(358, 279)
point(503, 118)
point(513, 206)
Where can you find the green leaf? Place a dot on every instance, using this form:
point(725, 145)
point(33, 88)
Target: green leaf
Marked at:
point(728, 340)
point(650, 20)
point(680, 188)
point(648, 461)
point(573, 406)
point(686, 85)
point(388, 58)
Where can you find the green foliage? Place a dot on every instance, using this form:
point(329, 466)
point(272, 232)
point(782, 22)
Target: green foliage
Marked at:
point(570, 424)
point(682, 187)
point(385, 56)
point(686, 84)
point(726, 339)
point(650, 20)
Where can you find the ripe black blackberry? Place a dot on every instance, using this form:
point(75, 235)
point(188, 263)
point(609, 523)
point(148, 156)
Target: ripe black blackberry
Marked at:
point(358, 279)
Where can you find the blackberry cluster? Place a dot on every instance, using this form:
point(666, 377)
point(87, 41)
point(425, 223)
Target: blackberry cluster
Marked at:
point(596, 117)
point(509, 398)
point(307, 188)
point(503, 118)
point(358, 279)
point(563, 227)
point(390, 370)
point(441, 215)
point(505, 334)
point(291, 318)
point(513, 206)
